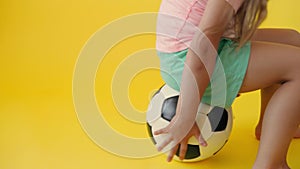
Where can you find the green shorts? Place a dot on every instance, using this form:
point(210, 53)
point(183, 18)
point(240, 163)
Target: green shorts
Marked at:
point(227, 78)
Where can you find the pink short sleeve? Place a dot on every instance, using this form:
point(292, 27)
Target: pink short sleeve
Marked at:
point(236, 4)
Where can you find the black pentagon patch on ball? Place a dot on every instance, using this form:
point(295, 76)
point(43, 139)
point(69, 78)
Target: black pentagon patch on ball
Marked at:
point(149, 129)
point(169, 108)
point(193, 151)
point(218, 118)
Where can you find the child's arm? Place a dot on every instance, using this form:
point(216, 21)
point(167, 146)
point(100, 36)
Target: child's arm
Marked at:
point(199, 65)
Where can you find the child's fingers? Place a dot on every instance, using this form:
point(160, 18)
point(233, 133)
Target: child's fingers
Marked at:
point(164, 143)
point(202, 141)
point(172, 153)
point(161, 131)
point(197, 134)
point(183, 149)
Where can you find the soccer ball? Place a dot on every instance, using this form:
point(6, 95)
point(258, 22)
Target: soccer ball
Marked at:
point(215, 124)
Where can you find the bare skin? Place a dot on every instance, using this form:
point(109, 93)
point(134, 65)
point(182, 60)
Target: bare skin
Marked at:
point(282, 36)
point(269, 64)
point(266, 68)
point(199, 65)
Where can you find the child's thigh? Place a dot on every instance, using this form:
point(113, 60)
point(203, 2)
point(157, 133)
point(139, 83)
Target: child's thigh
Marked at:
point(285, 36)
point(269, 64)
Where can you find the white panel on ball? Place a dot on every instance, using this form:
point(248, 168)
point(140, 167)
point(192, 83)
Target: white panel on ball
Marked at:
point(215, 124)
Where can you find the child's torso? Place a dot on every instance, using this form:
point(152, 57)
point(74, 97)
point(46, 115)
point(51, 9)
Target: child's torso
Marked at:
point(177, 22)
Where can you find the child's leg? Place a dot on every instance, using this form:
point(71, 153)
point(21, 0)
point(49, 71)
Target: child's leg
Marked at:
point(271, 64)
point(284, 36)
point(266, 95)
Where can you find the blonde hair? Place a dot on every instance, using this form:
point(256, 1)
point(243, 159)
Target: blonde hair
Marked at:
point(250, 15)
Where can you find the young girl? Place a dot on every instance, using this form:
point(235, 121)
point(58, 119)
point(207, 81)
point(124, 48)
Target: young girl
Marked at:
point(201, 41)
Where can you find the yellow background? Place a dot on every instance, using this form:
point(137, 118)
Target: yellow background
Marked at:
point(39, 45)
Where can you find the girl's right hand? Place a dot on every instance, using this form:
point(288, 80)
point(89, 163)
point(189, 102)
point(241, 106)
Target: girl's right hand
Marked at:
point(172, 131)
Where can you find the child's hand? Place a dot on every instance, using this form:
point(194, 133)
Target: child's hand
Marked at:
point(175, 134)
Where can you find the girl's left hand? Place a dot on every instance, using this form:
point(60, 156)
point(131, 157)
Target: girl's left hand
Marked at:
point(175, 133)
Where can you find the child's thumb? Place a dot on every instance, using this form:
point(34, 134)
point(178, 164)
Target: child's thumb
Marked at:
point(202, 141)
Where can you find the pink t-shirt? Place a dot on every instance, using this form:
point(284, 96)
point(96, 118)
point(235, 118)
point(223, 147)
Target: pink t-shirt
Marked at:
point(178, 20)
